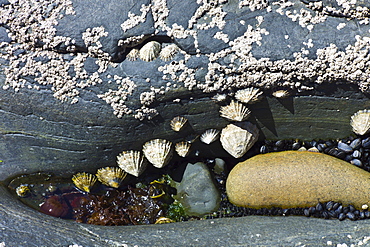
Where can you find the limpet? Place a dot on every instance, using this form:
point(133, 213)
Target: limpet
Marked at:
point(182, 148)
point(158, 151)
point(360, 122)
point(178, 123)
point(238, 139)
point(168, 52)
point(150, 51)
point(84, 181)
point(235, 111)
point(132, 162)
point(133, 54)
point(111, 176)
point(209, 136)
point(248, 95)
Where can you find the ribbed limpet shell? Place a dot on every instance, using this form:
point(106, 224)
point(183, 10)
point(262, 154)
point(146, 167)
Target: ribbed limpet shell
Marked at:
point(168, 52)
point(177, 123)
point(150, 51)
point(235, 111)
point(132, 162)
point(182, 148)
point(248, 95)
point(84, 181)
point(133, 54)
point(237, 139)
point(111, 176)
point(158, 151)
point(209, 136)
point(360, 122)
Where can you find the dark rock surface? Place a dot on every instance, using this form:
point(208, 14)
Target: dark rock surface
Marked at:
point(197, 190)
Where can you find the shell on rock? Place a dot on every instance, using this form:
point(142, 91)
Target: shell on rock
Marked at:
point(133, 54)
point(132, 162)
point(360, 122)
point(182, 148)
point(235, 111)
point(150, 51)
point(248, 95)
point(177, 123)
point(209, 136)
point(237, 139)
point(111, 176)
point(163, 220)
point(281, 93)
point(84, 181)
point(158, 151)
point(23, 190)
point(168, 52)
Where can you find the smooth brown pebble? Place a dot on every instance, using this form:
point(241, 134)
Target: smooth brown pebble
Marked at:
point(296, 179)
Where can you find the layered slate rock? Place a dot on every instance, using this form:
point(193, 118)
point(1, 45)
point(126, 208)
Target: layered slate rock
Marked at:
point(293, 179)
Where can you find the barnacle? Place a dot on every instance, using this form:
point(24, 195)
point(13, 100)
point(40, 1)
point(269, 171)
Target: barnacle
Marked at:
point(150, 51)
point(84, 181)
point(209, 136)
point(132, 162)
point(235, 111)
point(111, 176)
point(360, 122)
point(177, 123)
point(158, 151)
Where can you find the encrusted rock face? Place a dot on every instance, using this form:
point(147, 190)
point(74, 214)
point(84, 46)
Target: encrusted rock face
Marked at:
point(296, 179)
point(74, 56)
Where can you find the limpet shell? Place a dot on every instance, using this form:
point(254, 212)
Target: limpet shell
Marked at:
point(158, 151)
point(178, 123)
point(238, 139)
point(209, 136)
point(111, 176)
point(182, 148)
point(360, 122)
point(132, 162)
point(168, 52)
point(84, 181)
point(235, 111)
point(249, 95)
point(281, 93)
point(150, 51)
point(23, 190)
point(163, 220)
point(133, 54)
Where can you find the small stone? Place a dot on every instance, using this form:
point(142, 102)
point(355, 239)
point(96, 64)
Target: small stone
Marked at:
point(296, 179)
point(219, 166)
point(197, 190)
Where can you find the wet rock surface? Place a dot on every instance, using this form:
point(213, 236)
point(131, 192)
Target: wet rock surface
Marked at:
point(197, 190)
point(296, 179)
point(22, 226)
point(293, 45)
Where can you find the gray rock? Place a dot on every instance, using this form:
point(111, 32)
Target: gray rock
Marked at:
point(4, 35)
point(197, 191)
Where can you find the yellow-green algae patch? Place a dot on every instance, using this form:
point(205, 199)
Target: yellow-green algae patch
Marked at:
point(296, 179)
